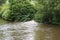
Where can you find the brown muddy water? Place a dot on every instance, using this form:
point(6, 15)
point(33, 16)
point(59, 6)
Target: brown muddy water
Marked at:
point(29, 31)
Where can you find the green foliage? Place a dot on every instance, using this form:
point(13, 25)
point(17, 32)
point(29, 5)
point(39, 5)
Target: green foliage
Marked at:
point(6, 14)
point(50, 11)
point(2, 1)
point(44, 11)
point(4, 8)
point(19, 11)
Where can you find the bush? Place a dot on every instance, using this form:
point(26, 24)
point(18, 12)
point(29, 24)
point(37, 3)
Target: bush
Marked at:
point(19, 11)
point(50, 12)
point(2, 1)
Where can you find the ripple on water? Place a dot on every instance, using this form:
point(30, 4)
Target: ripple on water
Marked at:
point(18, 31)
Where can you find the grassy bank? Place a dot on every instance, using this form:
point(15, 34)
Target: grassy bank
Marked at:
point(2, 21)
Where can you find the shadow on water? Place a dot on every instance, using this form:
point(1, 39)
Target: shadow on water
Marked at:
point(29, 31)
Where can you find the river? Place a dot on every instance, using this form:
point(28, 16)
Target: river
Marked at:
point(30, 30)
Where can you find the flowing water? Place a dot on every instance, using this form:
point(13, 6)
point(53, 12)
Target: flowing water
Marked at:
point(29, 31)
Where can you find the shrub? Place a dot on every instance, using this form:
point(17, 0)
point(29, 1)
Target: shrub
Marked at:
point(50, 12)
point(19, 11)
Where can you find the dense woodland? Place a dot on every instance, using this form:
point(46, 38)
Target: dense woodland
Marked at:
point(42, 11)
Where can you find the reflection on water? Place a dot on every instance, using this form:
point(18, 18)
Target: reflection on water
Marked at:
point(47, 32)
point(29, 31)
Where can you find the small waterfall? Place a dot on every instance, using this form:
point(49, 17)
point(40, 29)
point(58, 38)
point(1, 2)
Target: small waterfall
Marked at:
point(18, 31)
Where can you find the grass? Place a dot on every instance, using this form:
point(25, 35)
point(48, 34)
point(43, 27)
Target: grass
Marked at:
point(2, 21)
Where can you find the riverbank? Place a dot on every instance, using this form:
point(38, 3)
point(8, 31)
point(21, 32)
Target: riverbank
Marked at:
point(2, 21)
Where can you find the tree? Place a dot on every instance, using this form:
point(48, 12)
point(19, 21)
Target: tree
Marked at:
point(50, 11)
